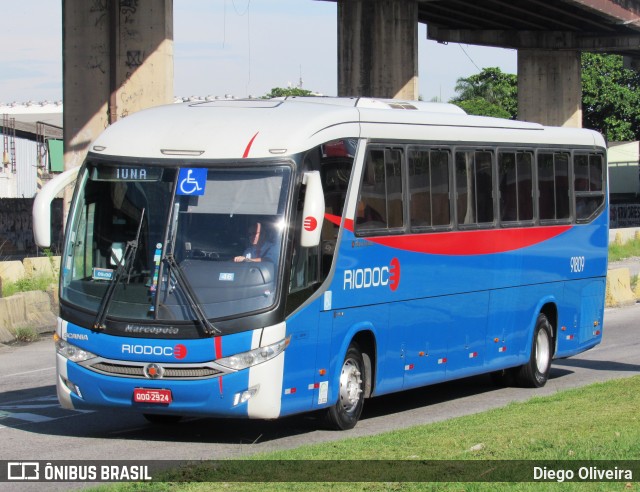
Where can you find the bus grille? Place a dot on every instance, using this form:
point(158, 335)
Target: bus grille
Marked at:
point(170, 372)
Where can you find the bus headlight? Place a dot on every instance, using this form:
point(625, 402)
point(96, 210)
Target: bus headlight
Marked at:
point(71, 351)
point(254, 357)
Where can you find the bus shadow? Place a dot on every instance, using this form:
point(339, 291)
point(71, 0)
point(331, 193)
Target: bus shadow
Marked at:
point(477, 385)
point(428, 396)
point(598, 365)
point(37, 411)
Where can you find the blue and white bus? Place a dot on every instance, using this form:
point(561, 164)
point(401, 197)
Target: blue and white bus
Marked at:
point(262, 258)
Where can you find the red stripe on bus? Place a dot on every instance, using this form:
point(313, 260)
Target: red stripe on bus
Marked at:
point(246, 151)
point(217, 342)
point(464, 243)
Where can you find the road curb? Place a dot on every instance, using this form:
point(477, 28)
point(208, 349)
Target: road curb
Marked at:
point(618, 292)
point(31, 310)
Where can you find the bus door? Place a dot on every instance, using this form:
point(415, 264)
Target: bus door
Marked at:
point(444, 337)
point(467, 333)
point(425, 326)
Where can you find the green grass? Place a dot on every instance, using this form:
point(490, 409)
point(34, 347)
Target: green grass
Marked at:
point(26, 334)
point(597, 422)
point(26, 284)
point(629, 249)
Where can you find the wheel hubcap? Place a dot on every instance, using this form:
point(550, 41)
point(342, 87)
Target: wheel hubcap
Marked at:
point(350, 385)
point(543, 351)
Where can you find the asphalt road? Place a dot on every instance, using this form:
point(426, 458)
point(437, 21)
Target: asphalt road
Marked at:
point(34, 427)
point(633, 264)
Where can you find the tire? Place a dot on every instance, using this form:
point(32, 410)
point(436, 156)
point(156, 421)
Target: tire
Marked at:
point(345, 413)
point(159, 419)
point(535, 372)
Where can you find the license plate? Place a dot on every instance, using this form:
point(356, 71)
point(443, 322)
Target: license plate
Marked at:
point(146, 395)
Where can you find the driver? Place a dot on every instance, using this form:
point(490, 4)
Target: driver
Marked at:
point(261, 247)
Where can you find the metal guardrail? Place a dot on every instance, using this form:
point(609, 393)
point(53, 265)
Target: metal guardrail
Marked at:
point(627, 215)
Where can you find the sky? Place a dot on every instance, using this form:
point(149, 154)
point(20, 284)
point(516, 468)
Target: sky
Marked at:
point(236, 47)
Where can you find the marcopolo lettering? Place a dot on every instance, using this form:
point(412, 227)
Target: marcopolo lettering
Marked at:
point(152, 330)
point(379, 276)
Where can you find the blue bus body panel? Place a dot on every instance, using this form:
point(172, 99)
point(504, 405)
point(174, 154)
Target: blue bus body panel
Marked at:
point(301, 383)
point(445, 316)
point(157, 349)
point(197, 398)
point(366, 274)
point(207, 397)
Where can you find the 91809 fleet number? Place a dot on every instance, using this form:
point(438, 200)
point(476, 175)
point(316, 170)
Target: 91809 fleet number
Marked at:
point(576, 264)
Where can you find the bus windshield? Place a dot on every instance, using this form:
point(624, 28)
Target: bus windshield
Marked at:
point(175, 244)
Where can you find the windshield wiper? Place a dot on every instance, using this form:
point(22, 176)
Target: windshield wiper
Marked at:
point(191, 296)
point(124, 265)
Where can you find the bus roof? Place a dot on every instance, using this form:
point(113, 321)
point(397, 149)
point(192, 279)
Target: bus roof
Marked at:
point(257, 128)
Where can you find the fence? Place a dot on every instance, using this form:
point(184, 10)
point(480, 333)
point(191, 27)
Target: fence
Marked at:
point(627, 215)
point(16, 228)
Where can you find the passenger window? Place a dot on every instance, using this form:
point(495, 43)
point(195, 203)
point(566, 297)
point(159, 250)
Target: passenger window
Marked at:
point(380, 206)
point(429, 188)
point(588, 185)
point(474, 187)
point(516, 197)
point(553, 186)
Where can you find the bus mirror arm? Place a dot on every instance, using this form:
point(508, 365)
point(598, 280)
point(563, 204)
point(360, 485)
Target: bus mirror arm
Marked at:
point(313, 210)
point(42, 206)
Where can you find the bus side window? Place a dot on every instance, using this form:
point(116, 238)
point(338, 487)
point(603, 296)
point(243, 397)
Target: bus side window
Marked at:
point(380, 204)
point(474, 187)
point(429, 188)
point(516, 195)
point(336, 174)
point(588, 185)
point(553, 186)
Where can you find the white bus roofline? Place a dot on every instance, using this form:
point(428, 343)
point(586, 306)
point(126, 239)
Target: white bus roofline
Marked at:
point(42, 206)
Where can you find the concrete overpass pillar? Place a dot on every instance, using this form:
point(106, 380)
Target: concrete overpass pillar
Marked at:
point(117, 59)
point(550, 87)
point(378, 48)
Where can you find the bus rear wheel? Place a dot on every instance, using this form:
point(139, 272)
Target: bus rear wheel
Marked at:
point(345, 413)
point(535, 372)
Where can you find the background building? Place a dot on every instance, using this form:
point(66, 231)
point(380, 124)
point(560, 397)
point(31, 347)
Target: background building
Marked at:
point(31, 136)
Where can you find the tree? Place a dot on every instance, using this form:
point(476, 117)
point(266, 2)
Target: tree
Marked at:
point(497, 89)
point(480, 106)
point(289, 91)
point(610, 97)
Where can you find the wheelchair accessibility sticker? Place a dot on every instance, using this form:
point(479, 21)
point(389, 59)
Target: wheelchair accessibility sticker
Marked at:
point(191, 181)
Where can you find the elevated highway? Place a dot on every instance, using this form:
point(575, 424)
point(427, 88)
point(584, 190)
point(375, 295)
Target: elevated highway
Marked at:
point(377, 45)
point(118, 54)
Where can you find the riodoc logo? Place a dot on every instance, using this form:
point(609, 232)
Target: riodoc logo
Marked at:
point(310, 223)
point(178, 351)
point(379, 276)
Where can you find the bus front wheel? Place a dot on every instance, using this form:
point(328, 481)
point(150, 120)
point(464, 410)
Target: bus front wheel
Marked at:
point(535, 372)
point(345, 413)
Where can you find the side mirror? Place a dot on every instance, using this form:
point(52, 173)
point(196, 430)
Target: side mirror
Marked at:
point(313, 210)
point(42, 206)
